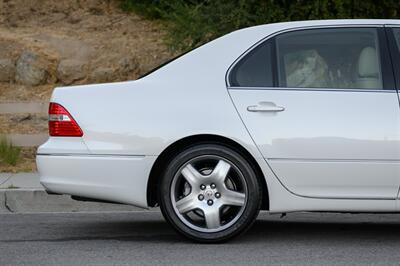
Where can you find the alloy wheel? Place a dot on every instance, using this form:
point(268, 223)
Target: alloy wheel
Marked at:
point(209, 193)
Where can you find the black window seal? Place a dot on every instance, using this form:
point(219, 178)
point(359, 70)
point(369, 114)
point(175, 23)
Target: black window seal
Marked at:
point(394, 52)
point(386, 61)
point(274, 63)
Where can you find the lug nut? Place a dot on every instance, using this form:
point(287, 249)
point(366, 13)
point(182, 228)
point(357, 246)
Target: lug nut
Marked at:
point(201, 197)
point(217, 195)
point(202, 187)
point(210, 202)
point(213, 186)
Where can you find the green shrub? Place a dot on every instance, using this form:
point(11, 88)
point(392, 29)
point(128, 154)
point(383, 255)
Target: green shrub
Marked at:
point(193, 22)
point(9, 154)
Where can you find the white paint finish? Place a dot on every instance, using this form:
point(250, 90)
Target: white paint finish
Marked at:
point(63, 145)
point(323, 124)
point(282, 200)
point(339, 179)
point(112, 178)
point(296, 204)
point(328, 125)
point(146, 127)
point(184, 98)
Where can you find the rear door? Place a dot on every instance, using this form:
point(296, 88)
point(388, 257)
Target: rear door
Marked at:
point(322, 107)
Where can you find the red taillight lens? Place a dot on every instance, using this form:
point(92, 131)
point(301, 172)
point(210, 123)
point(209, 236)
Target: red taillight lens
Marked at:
point(61, 123)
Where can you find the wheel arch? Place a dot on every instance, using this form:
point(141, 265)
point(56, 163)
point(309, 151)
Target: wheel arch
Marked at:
point(167, 154)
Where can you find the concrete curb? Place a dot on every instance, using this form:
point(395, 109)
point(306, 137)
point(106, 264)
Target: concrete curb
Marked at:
point(20, 180)
point(33, 200)
point(3, 207)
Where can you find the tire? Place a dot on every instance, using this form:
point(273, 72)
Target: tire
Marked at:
point(210, 193)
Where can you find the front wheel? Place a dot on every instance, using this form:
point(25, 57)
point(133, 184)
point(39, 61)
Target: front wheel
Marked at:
point(210, 193)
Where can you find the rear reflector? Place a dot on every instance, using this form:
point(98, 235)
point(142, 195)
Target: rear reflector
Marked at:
point(61, 123)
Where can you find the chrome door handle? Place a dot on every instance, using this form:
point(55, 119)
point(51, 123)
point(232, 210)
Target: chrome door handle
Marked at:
point(265, 107)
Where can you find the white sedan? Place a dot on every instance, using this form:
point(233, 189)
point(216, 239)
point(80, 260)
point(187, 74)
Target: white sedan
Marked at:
point(298, 116)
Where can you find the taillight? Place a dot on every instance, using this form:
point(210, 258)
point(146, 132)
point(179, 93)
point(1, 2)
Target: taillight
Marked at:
point(61, 123)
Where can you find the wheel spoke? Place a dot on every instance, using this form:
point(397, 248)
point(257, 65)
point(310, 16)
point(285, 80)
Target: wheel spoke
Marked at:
point(212, 218)
point(221, 171)
point(186, 204)
point(192, 175)
point(233, 198)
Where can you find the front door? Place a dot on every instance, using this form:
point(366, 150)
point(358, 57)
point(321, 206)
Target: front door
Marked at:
point(322, 107)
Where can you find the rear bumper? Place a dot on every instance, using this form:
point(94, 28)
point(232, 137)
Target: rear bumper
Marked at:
point(105, 177)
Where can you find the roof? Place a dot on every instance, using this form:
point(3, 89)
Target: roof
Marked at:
point(327, 22)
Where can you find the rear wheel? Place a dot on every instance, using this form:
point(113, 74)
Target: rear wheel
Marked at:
point(210, 193)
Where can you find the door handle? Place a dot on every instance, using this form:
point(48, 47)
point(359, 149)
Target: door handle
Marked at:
point(265, 107)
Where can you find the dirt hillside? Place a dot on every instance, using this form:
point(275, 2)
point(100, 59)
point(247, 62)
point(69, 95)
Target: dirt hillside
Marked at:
point(44, 43)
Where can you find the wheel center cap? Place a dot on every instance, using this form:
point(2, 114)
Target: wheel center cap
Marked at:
point(209, 194)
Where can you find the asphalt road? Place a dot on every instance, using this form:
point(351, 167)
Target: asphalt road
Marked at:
point(143, 238)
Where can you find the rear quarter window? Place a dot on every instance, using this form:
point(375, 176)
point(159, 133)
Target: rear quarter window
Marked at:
point(254, 69)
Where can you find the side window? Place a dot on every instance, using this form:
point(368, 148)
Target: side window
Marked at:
point(345, 58)
point(255, 69)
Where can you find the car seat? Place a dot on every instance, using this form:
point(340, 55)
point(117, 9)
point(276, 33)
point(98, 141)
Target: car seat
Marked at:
point(368, 69)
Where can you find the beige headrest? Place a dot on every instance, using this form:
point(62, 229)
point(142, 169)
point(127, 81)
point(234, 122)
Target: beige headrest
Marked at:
point(368, 65)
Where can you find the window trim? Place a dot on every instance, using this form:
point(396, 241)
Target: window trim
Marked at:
point(394, 51)
point(386, 67)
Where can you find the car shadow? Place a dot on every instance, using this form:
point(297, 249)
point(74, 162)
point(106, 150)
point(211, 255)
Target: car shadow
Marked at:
point(327, 228)
point(267, 228)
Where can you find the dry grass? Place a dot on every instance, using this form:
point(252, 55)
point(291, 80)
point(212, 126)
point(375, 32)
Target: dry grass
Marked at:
point(9, 154)
point(25, 163)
